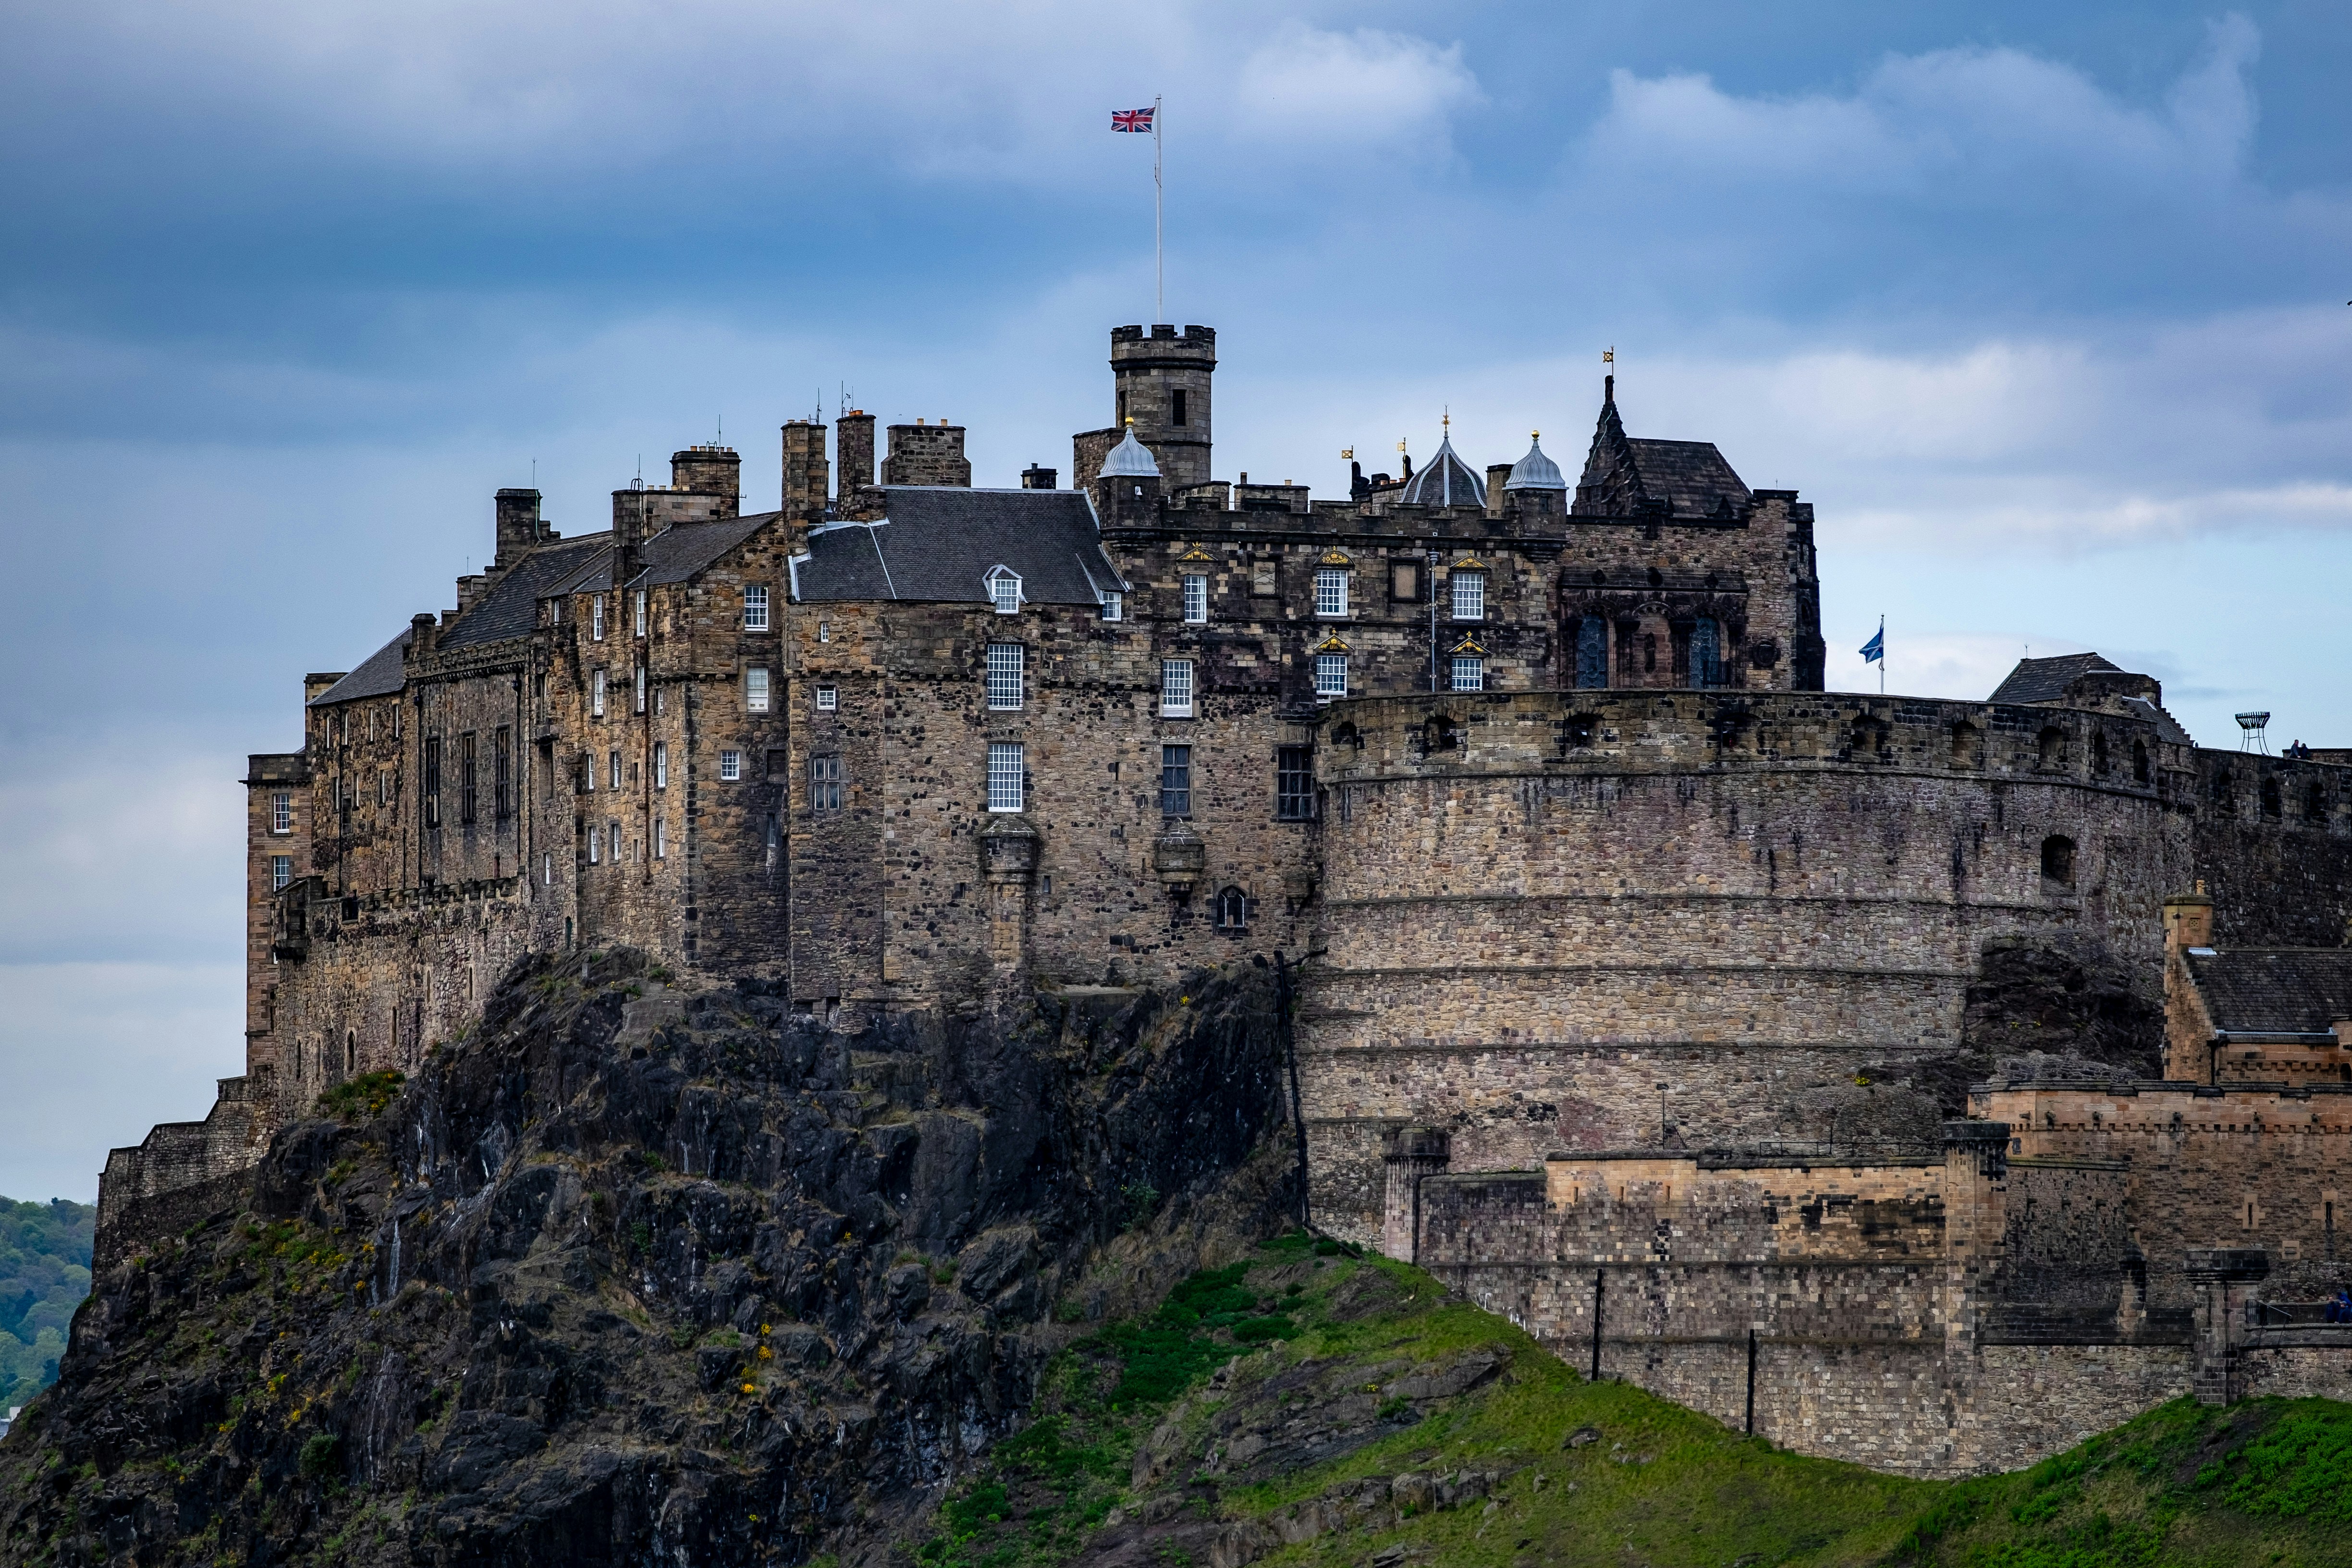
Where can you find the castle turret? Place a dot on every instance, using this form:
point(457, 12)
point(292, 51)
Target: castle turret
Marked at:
point(1128, 490)
point(1161, 381)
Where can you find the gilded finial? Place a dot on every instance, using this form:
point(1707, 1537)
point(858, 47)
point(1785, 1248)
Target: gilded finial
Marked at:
point(1535, 434)
point(1130, 420)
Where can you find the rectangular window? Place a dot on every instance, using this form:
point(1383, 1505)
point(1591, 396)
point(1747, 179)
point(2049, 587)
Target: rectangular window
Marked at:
point(824, 783)
point(433, 782)
point(1177, 407)
point(1469, 672)
point(755, 609)
point(1004, 592)
point(1330, 674)
point(1175, 781)
point(281, 811)
point(1331, 592)
point(1469, 596)
point(596, 694)
point(1114, 607)
point(641, 611)
point(730, 765)
point(596, 619)
point(640, 706)
point(1196, 597)
point(384, 786)
point(613, 766)
point(1294, 784)
point(661, 840)
point(595, 848)
point(612, 838)
point(282, 871)
point(1007, 763)
point(755, 691)
point(661, 765)
point(1004, 663)
point(588, 772)
point(828, 699)
point(547, 770)
point(547, 870)
point(502, 773)
point(1175, 688)
point(466, 795)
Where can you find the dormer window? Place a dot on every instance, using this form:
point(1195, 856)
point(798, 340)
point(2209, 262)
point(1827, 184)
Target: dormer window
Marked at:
point(1004, 590)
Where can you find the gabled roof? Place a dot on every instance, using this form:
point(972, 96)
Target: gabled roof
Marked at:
point(510, 609)
point(2046, 679)
point(2275, 990)
point(935, 543)
point(378, 675)
point(1446, 481)
point(674, 555)
point(1627, 478)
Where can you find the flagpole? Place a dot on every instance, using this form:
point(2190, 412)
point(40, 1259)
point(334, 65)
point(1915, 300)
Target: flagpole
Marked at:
point(1882, 656)
point(1158, 226)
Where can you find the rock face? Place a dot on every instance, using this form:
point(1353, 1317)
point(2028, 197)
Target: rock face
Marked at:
point(636, 1274)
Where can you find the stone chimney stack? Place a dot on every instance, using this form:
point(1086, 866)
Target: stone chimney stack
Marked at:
point(805, 479)
point(854, 446)
point(1033, 478)
point(923, 454)
point(520, 527)
point(2188, 921)
point(631, 527)
point(711, 471)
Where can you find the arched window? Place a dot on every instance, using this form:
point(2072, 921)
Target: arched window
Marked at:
point(2139, 760)
point(2054, 747)
point(1345, 735)
point(350, 1051)
point(1705, 655)
point(1439, 734)
point(1592, 652)
point(1649, 653)
point(1233, 909)
point(2058, 860)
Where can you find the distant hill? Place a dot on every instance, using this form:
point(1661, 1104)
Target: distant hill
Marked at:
point(44, 1275)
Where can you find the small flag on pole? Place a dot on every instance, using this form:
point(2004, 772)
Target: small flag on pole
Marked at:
point(1875, 649)
point(1135, 120)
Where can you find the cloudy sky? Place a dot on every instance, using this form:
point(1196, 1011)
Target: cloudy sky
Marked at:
point(2044, 307)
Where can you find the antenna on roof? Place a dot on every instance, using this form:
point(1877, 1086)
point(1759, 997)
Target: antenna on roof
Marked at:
point(534, 473)
point(2251, 738)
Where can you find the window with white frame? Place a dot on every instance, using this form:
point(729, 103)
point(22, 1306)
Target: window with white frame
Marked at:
point(596, 694)
point(755, 609)
point(1005, 666)
point(828, 699)
point(595, 848)
point(661, 765)
point(1007, 771)
point(1196, 597)
point(282, 871)
point(612, 836)
point(1469, 672)
point(1331, 592)
point(661, 840)
point(641, 611)
point(614, 774)
point(1175, 688)
point(384, 786)
point(281, 811)
point(1114, 607)
point(596, 619)
point(641, 688)
point(1330, 674)
point(731, 765)
point(1004, 590)
point(1469, 596)
point(755, 691)
point(547, 870)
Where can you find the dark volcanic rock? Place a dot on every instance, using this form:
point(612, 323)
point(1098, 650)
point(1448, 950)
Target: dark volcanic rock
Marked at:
point(634, 1274)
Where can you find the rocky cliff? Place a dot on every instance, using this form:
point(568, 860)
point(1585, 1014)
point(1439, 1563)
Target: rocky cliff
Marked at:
point(635, 1272)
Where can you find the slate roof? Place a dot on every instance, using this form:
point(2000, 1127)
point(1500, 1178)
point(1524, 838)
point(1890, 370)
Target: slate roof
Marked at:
point(1625, 477)
point(2046, 679)
point(2167, 728)
point(1446, 481)
point(673, 555)
point(936, 543)
point(378, 675)
point(510, 609)
point(2275, 990)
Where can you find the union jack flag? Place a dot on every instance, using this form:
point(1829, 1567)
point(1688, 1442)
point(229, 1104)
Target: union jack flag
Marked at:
point(1131, 118)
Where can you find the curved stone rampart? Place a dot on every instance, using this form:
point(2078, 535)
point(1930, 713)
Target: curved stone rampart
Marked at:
point(1584, 919)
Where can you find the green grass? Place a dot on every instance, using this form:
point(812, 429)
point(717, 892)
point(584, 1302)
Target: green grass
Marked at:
point(2268, 1482)
point(359, 1099)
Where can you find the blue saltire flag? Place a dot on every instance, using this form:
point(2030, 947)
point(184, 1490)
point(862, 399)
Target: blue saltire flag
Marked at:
point(1875, 649)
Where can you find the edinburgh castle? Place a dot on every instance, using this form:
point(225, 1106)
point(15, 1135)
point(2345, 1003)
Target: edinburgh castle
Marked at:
point(1925, 1083)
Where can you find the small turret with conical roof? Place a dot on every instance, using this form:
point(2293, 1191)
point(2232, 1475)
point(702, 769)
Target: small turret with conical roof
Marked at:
point(1127, 491)
point(1447, 481)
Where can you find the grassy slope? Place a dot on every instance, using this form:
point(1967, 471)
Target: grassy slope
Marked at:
point(2266, 1483)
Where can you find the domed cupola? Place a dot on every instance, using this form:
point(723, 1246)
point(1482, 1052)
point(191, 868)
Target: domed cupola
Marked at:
point(1535, 471)
point(1130, 459)
point(1447, 481)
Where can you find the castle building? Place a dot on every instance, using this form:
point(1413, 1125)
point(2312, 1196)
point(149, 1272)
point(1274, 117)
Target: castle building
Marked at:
point(1537, 783)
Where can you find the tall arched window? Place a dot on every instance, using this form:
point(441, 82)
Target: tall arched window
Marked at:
point(1233, 909)
point(1592, 652)
point(1705, 655)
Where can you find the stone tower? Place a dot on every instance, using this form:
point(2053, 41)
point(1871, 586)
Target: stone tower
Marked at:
point(1161, 382)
